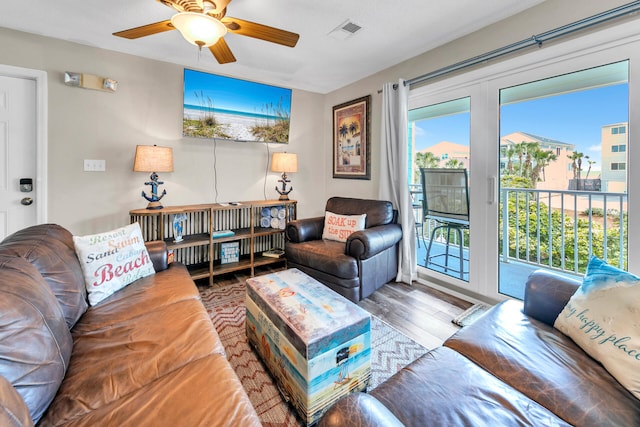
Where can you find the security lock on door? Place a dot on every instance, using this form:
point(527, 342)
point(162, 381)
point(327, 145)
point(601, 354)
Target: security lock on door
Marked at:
point(26, 185)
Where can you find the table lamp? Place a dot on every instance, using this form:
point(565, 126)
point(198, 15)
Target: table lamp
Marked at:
point(154, 159)
point(285, 163)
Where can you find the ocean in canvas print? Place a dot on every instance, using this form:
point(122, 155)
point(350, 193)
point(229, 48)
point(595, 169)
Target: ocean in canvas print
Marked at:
point(233, 109)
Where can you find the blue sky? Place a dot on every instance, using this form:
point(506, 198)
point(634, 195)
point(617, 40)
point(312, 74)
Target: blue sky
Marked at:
point(233, 94)
point(574, 118)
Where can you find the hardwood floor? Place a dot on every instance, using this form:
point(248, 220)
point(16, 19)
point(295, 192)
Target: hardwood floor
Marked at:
point(418, 311)
point(422, 313)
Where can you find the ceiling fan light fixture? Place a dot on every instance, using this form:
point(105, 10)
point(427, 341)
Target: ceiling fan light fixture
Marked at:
point(199, 29)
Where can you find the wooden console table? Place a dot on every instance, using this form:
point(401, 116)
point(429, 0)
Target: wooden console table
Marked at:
point(200, 251)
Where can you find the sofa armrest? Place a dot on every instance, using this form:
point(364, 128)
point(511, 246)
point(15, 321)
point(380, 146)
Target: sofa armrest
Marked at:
point(359, 410)
point(366, 243)
point(158, 253)
point(304, 230)
point(13, 411)
point(546, 293)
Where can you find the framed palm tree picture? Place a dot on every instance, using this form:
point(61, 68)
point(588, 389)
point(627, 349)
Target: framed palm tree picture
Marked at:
point(351, 150)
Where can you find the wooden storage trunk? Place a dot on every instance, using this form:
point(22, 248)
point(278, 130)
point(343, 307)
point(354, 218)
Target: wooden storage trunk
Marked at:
point(315, 343)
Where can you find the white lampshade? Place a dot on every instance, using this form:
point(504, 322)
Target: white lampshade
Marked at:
point(284, 162)
point(151, 158)
point(198, 28)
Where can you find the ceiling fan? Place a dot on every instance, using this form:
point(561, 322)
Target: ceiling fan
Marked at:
point(204, 24)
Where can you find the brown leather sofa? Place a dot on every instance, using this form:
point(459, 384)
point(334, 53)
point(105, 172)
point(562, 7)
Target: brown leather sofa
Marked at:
point(509, 368)
point(354, 269)
point(148, 355)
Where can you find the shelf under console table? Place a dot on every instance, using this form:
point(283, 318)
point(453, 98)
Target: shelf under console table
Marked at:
point(257, 226)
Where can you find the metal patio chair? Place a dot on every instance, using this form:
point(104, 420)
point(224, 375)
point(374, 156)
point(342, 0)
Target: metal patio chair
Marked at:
point(445, 199)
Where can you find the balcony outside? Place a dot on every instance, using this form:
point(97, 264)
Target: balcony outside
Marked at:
point(555, 230)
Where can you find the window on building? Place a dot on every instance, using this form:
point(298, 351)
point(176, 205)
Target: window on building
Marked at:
point(618, 130)
point(621, 148)
point(618, 166)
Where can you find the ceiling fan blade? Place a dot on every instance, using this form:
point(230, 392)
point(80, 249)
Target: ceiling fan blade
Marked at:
point(146, 30)
point(222, 52)
point(259, 31)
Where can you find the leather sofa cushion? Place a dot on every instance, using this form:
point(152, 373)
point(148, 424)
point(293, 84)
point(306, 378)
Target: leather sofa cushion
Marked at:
point(50, 249)
point(443, 388)
point(35, 343)
point(206, 392)
point(324, 255)
point(379, 212)
point(157, 291)
point(145, 340)
point(13, 411)
point(547, 366)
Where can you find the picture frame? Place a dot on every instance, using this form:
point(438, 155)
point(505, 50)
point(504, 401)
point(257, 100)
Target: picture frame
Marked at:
point(351, 139)
point(229, 252)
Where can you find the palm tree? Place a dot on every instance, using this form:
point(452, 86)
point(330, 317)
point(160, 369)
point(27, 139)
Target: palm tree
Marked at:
point(591, 163)
point(454, 164)
point(576, 166)
point(542, 159)
point(529, 149)
point(519, 151)
point(353, 128)
point(425, 159)
point(344, 130)
point(510, 152)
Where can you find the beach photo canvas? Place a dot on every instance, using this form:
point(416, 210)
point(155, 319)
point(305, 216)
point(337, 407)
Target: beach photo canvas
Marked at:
point(233, 109)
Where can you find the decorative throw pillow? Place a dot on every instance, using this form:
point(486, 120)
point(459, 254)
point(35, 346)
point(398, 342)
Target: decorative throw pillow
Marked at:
point(112, 260)
point(339, 227)
point(602, 318)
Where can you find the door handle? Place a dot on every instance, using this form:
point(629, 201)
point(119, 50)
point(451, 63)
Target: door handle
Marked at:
point(26, 201)
point(492, 182)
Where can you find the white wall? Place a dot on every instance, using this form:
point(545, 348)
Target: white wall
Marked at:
point(146, 110)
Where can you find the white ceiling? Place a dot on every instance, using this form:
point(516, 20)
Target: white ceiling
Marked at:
point(392, 31)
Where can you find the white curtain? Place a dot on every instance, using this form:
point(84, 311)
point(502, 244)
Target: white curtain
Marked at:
point(394, 184)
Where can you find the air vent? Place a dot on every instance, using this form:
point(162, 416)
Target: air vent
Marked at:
point(351, 27)
point(345, 30)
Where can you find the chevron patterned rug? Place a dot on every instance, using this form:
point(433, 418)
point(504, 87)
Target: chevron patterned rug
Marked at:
point(225, 303)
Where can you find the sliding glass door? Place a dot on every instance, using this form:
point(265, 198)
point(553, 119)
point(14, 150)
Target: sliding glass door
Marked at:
point(547, 139)
point(439, 138)
point(563, 183)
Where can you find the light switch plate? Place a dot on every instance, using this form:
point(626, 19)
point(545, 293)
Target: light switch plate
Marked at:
point(95, 165)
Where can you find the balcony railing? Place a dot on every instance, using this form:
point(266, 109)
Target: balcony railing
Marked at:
point(561, 230)
point(554, 229)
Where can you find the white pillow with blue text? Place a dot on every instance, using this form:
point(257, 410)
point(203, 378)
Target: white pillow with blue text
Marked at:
point(602, 317)
point(112, 260)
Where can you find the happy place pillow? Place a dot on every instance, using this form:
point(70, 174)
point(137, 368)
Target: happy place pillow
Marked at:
point(339, 227)
point(602, 318)
point(112, 260)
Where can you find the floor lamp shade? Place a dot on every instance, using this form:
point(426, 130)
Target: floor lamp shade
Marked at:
point(285, 163)
point(154, 159)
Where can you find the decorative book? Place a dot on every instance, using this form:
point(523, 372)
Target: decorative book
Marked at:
point(222, 233)
point(273, 253)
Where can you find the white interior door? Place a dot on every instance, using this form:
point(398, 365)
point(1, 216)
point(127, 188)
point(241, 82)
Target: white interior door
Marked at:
point(18, 209)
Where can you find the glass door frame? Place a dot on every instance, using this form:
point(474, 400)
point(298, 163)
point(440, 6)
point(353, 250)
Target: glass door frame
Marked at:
point(482, 86)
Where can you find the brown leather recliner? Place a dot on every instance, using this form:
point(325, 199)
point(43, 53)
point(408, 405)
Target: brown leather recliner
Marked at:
point(357, 268)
